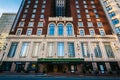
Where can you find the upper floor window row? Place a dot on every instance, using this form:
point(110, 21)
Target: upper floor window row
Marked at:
point(60, 28)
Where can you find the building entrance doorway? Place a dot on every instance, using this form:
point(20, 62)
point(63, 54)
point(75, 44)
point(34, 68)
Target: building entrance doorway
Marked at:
point(55, 68)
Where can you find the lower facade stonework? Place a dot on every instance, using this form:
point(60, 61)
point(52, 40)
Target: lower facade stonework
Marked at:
point(61, 67)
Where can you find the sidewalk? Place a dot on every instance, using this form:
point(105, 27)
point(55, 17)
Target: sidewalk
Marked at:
point(55, 74)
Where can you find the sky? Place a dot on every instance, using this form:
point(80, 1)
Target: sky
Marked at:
point(9, 6)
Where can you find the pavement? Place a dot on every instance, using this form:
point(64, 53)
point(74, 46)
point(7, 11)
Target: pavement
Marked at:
point(55, 76)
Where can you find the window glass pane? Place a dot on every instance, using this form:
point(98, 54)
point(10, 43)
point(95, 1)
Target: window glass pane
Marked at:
point(60, 29)
point(85, 50)
point(108, 50)
point(24, 49)
point(29, 32)
point(71, 51)
point(50, 49)
point(51, 29)
point(97, 50)
point(36, 48)
point(12, 50)
point(39, 32)
point(60, 47)
point(69, 30)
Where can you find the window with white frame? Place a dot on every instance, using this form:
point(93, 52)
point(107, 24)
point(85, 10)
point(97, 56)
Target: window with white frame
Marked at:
point(102, 32)
point(60, 29)
point(97, 50)
point(80, 24)
point(26, 10)
point(87, 16)
point(85, 6)
point(69, 29)
point(35, 6)
point(109, 50)
point(51, 49)
point(79, 16)
point(25, 49)
point(40, 24)
point(51, 29)
point(39, 32)
point(92, 32)
point(36, 49)
point(19, 31)
point(42, 16)
point(43, 10)
point(31, 24)
point(29, 32)
point(34, 10)
point(99, 24)
point(82, 33)
point(86, 11)
point(21, 24)
point(85, 49)
point(71, 50)
point(33, 16)
point(60, 49)
point(90, 24)
point(24, 16)
point(13, 49)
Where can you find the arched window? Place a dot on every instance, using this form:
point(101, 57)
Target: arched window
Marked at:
point(51, 29)
point(60, 29)
point(69, 30)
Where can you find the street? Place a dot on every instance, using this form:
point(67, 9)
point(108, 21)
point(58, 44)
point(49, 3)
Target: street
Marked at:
point(34, 77)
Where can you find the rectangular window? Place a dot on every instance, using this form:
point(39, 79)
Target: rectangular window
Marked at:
point(108, 49)
point(36, 48)
point(60, 47)
point(33, 16)
point(99, 24)
point(42, 16)
point(29, 32)
point(80, 24)
point(102, 32)
point(40, 24)
point(97, 50)
point(71, 50)
point(92, 32)
point(34, 10)
point(87, 15)
point(19, 32)
point(39, 32)
point(21, 24)
point(12, 50)
point(51, 49)
point(79, 16)
point(35, 6)
point(42, 11)
point(24, 49)
point(82, 33)
point(31, 24)
point(90, 24)
point(85, 50)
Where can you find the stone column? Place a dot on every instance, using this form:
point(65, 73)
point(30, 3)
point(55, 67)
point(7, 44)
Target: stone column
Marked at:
point(107, 66)
point(13, 67)
point(26, 65)
point(94, 64)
